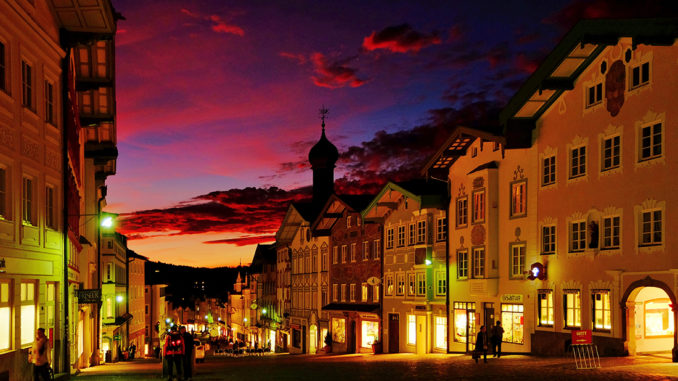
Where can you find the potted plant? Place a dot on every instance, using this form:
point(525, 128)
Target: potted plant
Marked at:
point(377, 347)
point(328, 343)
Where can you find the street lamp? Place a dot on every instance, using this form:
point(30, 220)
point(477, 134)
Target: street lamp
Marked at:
point(119, 298)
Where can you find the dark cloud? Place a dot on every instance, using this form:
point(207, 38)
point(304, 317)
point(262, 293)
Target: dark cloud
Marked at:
point(592, 9)
point(334, 74)
point(400, 39)
point(244, 241)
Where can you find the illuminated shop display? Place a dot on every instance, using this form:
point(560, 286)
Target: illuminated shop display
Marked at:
point(338, 330)
point(411, 329)
point(512, 320)
point(370, 333)
point(658, 318)
point(5, 318)
point(441, 332)
point(545, 308)
point(464, 322)
point(601, 310)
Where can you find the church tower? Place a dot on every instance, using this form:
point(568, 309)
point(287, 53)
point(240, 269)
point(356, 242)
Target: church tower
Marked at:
point(323, 156)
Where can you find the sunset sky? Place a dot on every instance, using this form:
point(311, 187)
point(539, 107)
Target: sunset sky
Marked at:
point(218, 103)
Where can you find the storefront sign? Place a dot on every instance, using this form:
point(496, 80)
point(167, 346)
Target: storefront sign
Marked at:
point(295, 326)
point(512, 298)
point(88, 296)
point(582, 337)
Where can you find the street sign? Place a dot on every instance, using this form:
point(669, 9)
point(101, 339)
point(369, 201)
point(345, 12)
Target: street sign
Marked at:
point(89, 296)
point(373, 281)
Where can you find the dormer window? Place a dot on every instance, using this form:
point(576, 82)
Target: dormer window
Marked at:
point(348, 222)
point(594, 95)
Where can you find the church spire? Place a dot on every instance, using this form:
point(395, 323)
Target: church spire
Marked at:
point(323, 157)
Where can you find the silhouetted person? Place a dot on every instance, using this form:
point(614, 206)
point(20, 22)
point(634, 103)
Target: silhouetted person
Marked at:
point(497, 337)
point(481, 344)
point(39, 358)
point(174, 352)
point(188, 354)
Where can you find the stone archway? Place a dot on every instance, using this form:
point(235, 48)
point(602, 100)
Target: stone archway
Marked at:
point(627, 304)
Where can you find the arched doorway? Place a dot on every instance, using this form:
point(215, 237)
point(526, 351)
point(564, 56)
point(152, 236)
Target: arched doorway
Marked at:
point(649, 318)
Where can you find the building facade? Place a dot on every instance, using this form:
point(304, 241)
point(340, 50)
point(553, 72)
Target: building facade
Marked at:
point(136, 325)
point(156, 312)
point(115, 301)
point(264, 268)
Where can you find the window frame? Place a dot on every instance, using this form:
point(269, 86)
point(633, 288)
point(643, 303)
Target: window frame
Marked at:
point(478, 212)
point(441, 229)
point(652, 144)
point(441, 283)
point(376, 249)
point(641, 83)
point(521, 265)
point(28, 202)
point(580, 168)
point(27, 84)
point(516, 210)
point(548, 308)
point(461, 212)
point(576, 309)
point(580, 240)
point(462, 258)
point(401, 236)
point(389, 238)
point(366, 250)
point(412, 234)
point(548, 245)
point(612, 237)
point(595, 311)
point(478, 264)
point(612, 157)
point(421, 231)
point(548, 170)
point(653, 225)
point(8, 303)
point(4, 67)
point(598, 91)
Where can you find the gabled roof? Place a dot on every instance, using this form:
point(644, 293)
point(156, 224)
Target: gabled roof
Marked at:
point(429, 193)
point(288, 228)
point(334, 207)
point(561, 68)
point(264, 254)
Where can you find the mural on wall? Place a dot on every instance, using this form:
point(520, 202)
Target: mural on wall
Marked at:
point(615, 82)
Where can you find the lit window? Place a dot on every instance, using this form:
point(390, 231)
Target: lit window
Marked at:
point(611, 153)
point(442, 229)
point(548, 171)
point(601, 310)
point(389, 238)
point(400, 284)
point(650, 142)
point(27, 84)
point(411, 285)
point(344, 253)
point(352, 292)
point(401, 236)
point(27, 201)
point(640, 75)
point(375, 293)
point(364, 292)
point(413, 234)
point(335, 255)
point(377, 249)
point(5, 316)
point(411, 329)
point(478, 262)
point(353, 245)
point(517, 261)
point(344, 292)
point(651, 233)
point(611, 230)
point(519, 198)
point(578, 236)
point(462, 211)
point(441, 283)
point(548, 239)
point(28, 312)
point(594, 95)
point(366, 250)
point(338, 330)
point(572, 308)
point(348, 221)
point(545, 308)
point(335, 292)
point(421, 284)
point(389, 284)
point(512, 322)
point(478, 206)
point(578, 162)
point(370, 333)
point(441, 332)
point(421, 231)
point(462, 264)
point(659, 321)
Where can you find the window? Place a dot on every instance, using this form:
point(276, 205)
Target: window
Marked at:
point(548, 171)
point(545, 308)
point(572, 308)
point(421, 284)
point(344, 253)
point(578, 162)
point(5, 315)
point(335, 292)
point(50, 216)
point(441, 332)
point(411, 329)
point(338, 330)
point(578, 236)
point(49, 102)
point(400, 284)
point(389, 238)
point(323, 253)
point(651, 233)
point(3, 194)
point(519, 198)
point(478, 206)
point(601, 310)
point(353, 252)
point(369, 333)
point(517, 269)
point(344, 292)
point(389, 284)
point(375, 293)
point(376, 249)
point(364, 292)
point(462, 211)
point(650, 141)
point(28, 312)
point(441, 283)
point(348, 222)
point(594, 95)
point(27, 201)
point(512, 321)
point(353, 292)
point(411, 285)
point(548, 235)
point(366, 250)
point(413, 234)
point(462, 264)
point(442, 229)
point(496, 146)
point(611, 232)
point(335, 255)
point(421, 231)
point(3, 71)
point(640, 75)
point(611, 152)
point(27, 85)
point(478, 262)
point(401, 235)
point(474, 151)
point(464, 322)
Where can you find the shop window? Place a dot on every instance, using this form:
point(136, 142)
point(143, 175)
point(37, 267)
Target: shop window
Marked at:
point(602, 318)
point(411, 330)
point(545, 308)
point(464, 322)
point(548, 239)
point(441, 332)
point(572, 308)
point(296, 338)
point(517, 270)
point(659, 320)
point(548, 171)
point(370, 333)
point(512, 320)
point(462, 212)
point(28, 312)
point(5, 316)
point(462, 264)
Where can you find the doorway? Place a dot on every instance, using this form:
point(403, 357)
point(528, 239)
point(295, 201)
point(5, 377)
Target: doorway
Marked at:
point(421, 334)
point(303, 339)
point(313, 339)
point(393, 333)
point(350, 345)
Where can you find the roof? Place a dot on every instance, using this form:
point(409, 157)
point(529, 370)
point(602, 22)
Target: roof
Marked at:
point(335, 207)
point(561, 68)
point(374, 308)
point(264, 254)
point(323, 154)
point(429, 193)
point(133, 254)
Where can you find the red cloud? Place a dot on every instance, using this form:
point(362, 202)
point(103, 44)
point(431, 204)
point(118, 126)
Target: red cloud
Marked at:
point(400, 39)
point(334, 75)
point(244, 241)
point(526, 64)
point(300, 58)
point(218, 25)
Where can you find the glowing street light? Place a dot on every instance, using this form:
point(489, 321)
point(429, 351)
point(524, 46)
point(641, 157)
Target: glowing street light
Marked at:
point(428, 262)
point(263, 311)
point(119, 298)
point(168, 320)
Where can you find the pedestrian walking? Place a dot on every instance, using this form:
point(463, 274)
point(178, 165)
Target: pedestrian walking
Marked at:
point(188, 354)
point(497, 337)
point(38, 356)
point(174, 352)
point(481, 345)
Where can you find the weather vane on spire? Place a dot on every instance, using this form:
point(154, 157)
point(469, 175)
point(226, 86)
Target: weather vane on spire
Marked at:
point(323, 115)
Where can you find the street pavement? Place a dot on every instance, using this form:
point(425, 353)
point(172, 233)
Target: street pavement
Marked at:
point(393, 367)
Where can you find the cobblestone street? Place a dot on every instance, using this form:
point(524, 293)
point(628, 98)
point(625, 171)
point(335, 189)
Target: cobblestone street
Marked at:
point(397, 367)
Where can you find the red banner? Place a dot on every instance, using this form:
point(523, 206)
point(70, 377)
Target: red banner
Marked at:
point(582, 337)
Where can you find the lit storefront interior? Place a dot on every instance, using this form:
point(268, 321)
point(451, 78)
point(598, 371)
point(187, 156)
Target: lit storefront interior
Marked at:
point(513, 320)
point(440, 324)
point(654, 321)
point(465, 323)
point(370, 333)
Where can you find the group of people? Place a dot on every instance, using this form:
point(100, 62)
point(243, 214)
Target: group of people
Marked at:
point(178, 352)
point(483, 342)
